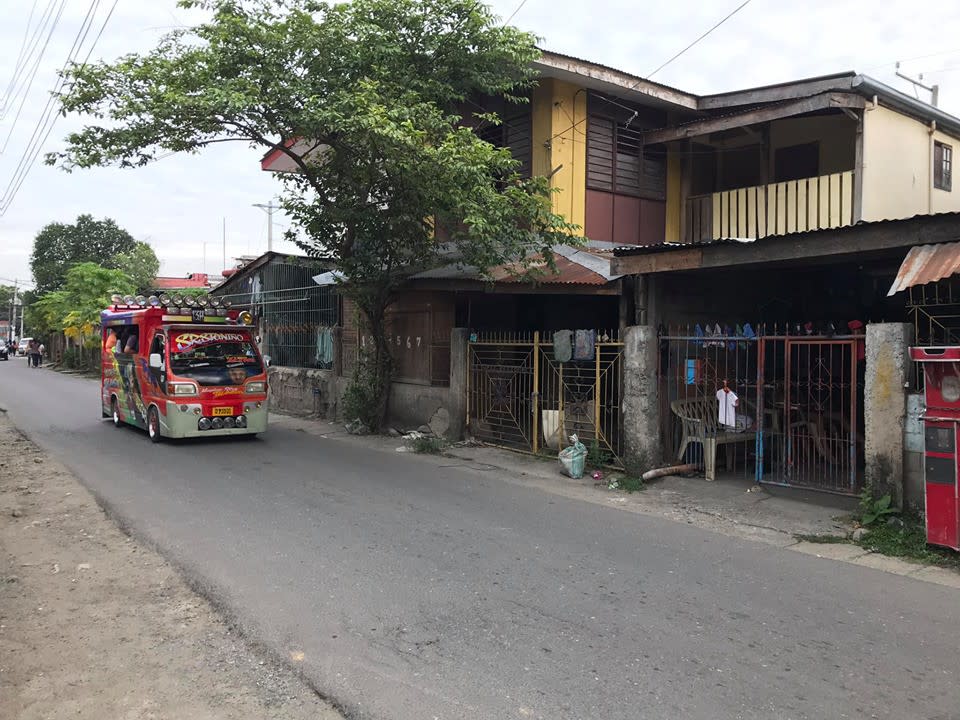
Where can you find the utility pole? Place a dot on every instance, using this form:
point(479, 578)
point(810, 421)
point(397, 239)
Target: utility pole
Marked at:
point(13, 312)
point(269, 209)
point(934, 90)
point(224, 244)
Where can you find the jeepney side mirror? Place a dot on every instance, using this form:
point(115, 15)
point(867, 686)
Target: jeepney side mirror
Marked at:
point(266, 360)
point(156, 361)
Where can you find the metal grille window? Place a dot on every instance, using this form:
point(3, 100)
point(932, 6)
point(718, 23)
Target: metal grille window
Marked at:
point(295, 317)
point(942, 166)
point(618, 162)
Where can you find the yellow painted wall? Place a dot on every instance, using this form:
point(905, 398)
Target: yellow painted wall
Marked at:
point(560, 121)
point(674, 201)
point(897, 172)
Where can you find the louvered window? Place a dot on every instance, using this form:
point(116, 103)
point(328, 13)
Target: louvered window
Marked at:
point(617, 161)
point(513, 133)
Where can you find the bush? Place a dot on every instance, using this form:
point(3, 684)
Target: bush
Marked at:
point(365, 395)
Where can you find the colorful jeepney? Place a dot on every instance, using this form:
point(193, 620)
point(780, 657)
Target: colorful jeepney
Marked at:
point(181, 367)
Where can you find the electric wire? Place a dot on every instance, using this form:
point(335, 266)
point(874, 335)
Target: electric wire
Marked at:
point(17, 77)
point(48, 118)
point(23, 45)
point(33, 75)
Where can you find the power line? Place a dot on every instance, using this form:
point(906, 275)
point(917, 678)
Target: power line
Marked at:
point(740, 7)
point(24, 60)
point(23, 45)
point(519, 8)
point(48, 118)
point(33, 75)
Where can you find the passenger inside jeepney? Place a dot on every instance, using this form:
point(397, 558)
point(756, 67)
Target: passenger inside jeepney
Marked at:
point(111, 341)
point(132, 342)
point(237, 374)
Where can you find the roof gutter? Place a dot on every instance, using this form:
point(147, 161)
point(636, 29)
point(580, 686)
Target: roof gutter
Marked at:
point(906, 104)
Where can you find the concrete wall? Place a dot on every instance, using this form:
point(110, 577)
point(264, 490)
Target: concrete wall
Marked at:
point(301, 391)
point(641, 407)
point(897, 168)
point(913, 453)
point(885, 407)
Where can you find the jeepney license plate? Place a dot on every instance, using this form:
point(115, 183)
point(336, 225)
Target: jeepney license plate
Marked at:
point(221, 411)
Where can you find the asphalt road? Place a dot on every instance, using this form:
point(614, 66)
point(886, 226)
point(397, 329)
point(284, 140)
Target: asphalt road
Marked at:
point(417, 591)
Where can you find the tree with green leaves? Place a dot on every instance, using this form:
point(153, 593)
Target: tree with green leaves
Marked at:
point(365, 100)
point(60, 246)
point(140, 264)
point(75, 308)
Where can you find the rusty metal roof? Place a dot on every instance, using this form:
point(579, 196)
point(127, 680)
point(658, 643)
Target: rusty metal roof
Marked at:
point(925, 264)
point(573, 266)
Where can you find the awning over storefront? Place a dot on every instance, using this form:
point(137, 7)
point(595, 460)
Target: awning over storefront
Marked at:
point(925, 264)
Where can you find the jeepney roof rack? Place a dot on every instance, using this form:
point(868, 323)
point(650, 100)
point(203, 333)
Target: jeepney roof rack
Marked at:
point(183, 305)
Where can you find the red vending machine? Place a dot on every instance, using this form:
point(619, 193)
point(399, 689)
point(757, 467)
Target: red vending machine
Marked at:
point(941, 425)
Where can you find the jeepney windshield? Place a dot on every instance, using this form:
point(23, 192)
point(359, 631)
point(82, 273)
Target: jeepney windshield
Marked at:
point(213, 357)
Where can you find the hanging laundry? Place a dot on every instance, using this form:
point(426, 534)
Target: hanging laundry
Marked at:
point(698, 333)
point(856, 328)
point(748, 332)
point(727, 411)
point(325, 347)
point(717, 333)
point(583, 344)
point(728, 333)
point(563, 345)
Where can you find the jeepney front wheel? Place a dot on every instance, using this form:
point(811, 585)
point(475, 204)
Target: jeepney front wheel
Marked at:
point(153, 424)
point(115, 411)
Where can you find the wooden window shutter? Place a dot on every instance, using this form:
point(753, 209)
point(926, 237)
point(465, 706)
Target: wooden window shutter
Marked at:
point(600, 141)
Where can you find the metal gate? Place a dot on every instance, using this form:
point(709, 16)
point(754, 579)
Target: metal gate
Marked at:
point(521, 397)
point(799, 421)
point(813, 395)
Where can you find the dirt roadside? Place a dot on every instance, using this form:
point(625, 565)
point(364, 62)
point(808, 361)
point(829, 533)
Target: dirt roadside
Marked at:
point(94, 625)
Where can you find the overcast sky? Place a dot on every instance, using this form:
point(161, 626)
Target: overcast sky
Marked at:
point(179, 203)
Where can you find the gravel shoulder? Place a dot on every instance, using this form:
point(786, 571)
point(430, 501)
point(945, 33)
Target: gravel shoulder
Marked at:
point(95, 625)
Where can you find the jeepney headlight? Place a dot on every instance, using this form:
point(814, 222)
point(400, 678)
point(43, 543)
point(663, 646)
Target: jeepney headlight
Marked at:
point(116, 299)
point(256, 387)
point(164, 299)
point(229, 423)
point(241, 421)
point(177, 299)
point(128, 300)
point(141, 300)
point(153, 301)
point(216, 423)
point(203, 423)
point(202, 301)
point(189, 301)
point(182, 388)
point(226, 302)
point(214, 302)
point(184, 408)
point(245, 318)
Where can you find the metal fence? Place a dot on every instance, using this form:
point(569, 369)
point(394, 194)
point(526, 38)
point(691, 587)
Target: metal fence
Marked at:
point(798, 418)
point(295, 317)
point(520, 396)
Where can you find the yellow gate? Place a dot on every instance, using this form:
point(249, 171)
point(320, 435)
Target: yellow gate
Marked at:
point(520, 396)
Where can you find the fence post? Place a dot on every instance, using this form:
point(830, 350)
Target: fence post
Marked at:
point(459, 382)
point(535, 399)
point(641, 407)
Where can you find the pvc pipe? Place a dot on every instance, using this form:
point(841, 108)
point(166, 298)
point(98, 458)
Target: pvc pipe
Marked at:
point(674, 470)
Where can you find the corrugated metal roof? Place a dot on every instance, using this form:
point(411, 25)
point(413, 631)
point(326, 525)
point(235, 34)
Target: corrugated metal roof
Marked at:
point(574, 266)
point(925, 264)
point(628, 250)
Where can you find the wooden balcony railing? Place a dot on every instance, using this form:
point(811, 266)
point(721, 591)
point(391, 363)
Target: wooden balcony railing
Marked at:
point(816, 203)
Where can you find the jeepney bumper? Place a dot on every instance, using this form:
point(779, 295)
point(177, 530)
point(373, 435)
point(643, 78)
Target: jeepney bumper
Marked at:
point(179, 423)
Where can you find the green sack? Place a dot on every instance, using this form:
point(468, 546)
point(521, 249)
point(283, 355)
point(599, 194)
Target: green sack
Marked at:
point(574, 458)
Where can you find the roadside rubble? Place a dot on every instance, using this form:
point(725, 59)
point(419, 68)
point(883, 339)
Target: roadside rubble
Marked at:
point(94, 625)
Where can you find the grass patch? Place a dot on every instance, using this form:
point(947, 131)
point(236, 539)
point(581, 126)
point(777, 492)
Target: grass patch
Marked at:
point(632, 484)
point(821, 539)
point(428, 445)
point(908, 541)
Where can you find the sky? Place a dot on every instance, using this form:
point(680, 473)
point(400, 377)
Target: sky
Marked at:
point(181, 204)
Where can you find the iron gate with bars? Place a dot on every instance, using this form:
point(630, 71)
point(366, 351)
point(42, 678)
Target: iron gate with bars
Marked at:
point(799, 421)
point(520, 397)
